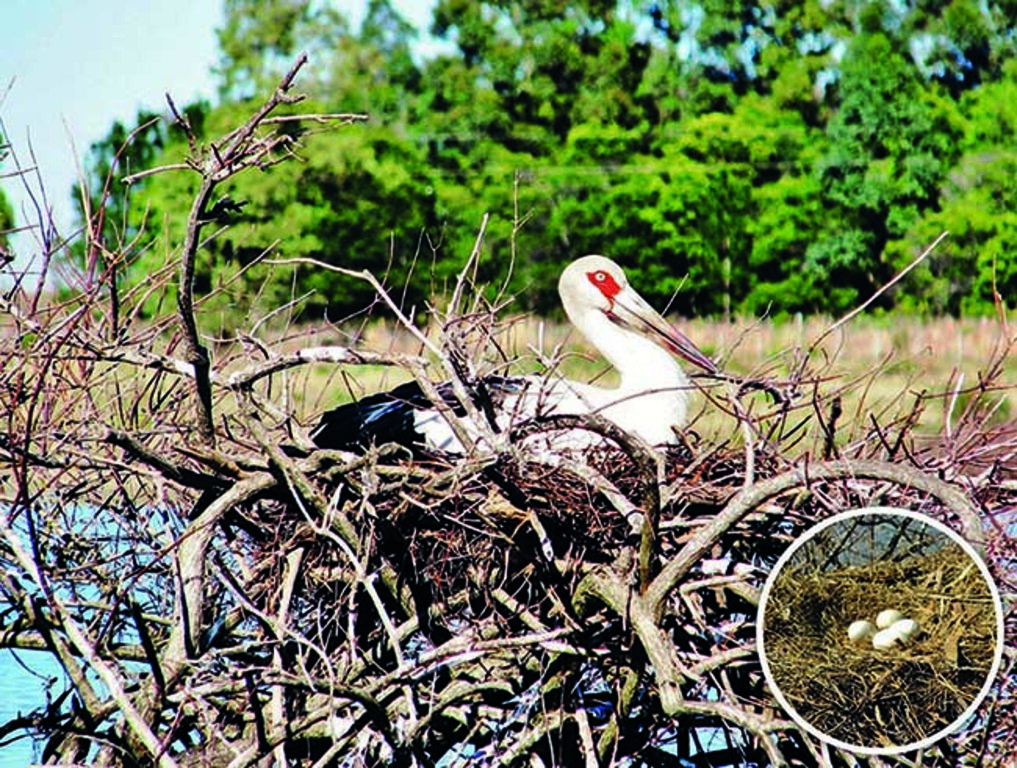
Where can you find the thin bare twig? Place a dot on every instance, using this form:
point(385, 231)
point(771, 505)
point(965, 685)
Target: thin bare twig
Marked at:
point(883, 289)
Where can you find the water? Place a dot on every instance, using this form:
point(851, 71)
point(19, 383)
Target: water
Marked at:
point(22, 690)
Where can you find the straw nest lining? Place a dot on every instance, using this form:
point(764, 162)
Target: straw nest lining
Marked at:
point(870, 698)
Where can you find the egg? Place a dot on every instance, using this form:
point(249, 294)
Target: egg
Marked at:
point(888, 617)
point(860, 631)
point(885, 639)
point(906, 629)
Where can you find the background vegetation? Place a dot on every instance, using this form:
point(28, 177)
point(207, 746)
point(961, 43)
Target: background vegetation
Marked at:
point(758, 156)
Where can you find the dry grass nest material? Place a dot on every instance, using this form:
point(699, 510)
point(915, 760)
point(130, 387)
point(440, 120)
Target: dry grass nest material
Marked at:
point(870, 698)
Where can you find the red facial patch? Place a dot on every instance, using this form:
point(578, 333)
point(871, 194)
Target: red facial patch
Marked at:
point(604, 282)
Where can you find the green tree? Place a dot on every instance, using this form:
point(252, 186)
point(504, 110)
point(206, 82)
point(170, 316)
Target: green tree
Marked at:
point(500, 118)
point(722, 51)
point(978, 201)
point(259, 38)
point(782, 157)
point(550, 65)
point(891, 144)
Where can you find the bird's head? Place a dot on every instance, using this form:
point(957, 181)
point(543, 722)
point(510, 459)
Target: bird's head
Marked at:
point(595, 284)
point(591, 283)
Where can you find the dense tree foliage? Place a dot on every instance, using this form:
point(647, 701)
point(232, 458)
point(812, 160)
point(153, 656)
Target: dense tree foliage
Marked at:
point(6, 222)
point(736, 157)
point(6, 211)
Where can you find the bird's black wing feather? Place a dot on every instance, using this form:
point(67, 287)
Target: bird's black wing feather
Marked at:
point(384, 417)
point(390, 417)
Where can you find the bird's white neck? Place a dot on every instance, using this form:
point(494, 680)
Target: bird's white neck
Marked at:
point(653, 395)
point(641, 364)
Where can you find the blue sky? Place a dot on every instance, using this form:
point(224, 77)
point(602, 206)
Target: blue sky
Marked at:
point(69, 68)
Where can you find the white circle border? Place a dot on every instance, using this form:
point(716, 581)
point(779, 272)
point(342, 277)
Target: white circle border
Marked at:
point(989, 680)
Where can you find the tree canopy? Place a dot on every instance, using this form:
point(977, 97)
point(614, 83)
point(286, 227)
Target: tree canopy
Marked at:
point(6, 210)
point(741, 157)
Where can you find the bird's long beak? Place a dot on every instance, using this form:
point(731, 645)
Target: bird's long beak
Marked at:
point(631, 311)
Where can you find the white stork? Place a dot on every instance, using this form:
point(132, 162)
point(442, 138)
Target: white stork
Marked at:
point(651, 398)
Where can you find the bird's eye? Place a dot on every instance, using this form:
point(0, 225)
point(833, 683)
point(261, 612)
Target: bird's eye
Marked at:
point(604, 282)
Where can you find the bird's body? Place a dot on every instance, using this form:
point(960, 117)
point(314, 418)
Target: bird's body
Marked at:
point(649, 401)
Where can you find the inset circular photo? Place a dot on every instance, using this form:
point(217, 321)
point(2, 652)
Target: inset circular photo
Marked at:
point(880, 630)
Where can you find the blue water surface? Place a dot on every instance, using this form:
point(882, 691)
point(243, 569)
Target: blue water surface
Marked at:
point(23, 680)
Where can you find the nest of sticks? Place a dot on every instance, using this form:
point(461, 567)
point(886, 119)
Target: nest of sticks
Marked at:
point(453, 531)
point(449, 526)
point(243, 604)
point(870, 698)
